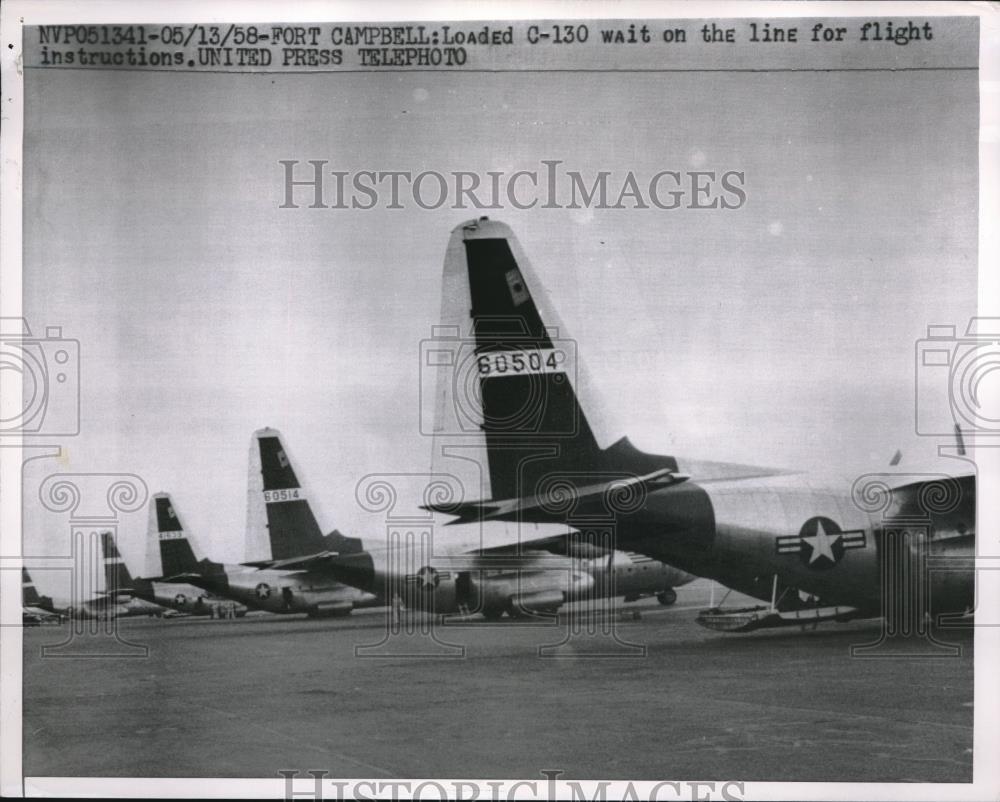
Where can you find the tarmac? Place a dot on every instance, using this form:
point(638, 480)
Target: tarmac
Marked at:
point(598, 695)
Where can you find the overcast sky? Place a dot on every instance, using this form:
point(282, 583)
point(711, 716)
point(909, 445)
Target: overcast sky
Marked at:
point(779, 334)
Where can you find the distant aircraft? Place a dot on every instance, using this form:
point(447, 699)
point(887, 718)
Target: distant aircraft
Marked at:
point(99, 606)
point(467, 578)
point(512, 381)
point(121, 587)
point(167, 536)
point(279, 516)
point(36, 609)
point(115, 601)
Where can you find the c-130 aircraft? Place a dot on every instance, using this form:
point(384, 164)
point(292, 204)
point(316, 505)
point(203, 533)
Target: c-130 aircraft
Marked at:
point(814, 547)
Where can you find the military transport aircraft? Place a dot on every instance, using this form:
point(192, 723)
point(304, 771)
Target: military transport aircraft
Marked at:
point(119, 584)
point(100, 606)
point(506, 398)
point(35, 609)
point(281, 523)
point(465, 578)
point(167, 536)
point(771, 535)
point(116, 601)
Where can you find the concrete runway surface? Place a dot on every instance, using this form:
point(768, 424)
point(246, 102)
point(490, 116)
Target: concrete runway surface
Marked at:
point(248, 697)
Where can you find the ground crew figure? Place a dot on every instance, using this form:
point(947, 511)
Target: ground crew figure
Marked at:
point(397, 604)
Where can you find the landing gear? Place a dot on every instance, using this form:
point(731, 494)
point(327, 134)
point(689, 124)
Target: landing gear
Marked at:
point(516, 612)
point(492, 613)
point(667, 597)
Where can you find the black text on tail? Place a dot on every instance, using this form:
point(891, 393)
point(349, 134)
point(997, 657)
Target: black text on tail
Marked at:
point(291, 526)
point(534, 426)
point(176, 554)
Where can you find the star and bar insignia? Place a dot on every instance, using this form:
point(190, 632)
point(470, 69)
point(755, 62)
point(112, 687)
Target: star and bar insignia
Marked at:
point(427, 578)
point(820, 543)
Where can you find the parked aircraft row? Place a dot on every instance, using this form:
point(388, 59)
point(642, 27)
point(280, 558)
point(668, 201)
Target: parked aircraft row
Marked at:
point(123, 596)
point(563, 513)
point(815, 548)
point(279, 508)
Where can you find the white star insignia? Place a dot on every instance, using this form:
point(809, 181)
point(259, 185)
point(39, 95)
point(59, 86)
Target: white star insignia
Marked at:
point(821, 544)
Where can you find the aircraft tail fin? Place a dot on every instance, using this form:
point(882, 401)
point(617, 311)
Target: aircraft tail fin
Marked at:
point(280, 521)
point(29, 595)
point(342, 544)
point(165, 528)
point(513, 374)
point(117, 577)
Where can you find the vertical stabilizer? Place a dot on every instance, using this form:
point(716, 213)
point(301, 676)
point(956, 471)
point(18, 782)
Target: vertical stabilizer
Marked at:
point(116, 574)
point(509, 379)
point(280, 521)
point(167, 534)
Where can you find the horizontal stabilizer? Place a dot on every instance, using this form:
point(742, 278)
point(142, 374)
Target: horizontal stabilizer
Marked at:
point(189, 578)
point(207, 574)
point(120, 593)
point(563, 500)
point(305, 563)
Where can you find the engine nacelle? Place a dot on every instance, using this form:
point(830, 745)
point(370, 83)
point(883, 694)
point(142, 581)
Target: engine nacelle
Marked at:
point(536, 601)
point(331, 609)
point(534, 590)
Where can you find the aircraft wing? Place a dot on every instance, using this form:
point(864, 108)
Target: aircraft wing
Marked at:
point(189, 578)
point(118, 593)
point(491, 547)
point(912, 476)
point(306, 562)
point(553, 505)
point(711, 471)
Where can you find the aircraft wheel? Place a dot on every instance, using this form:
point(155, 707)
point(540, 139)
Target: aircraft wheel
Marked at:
point(667, 597)
point(516, 612)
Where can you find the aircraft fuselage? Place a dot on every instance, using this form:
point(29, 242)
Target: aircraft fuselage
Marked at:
point(310, 592)
point(811, 535)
